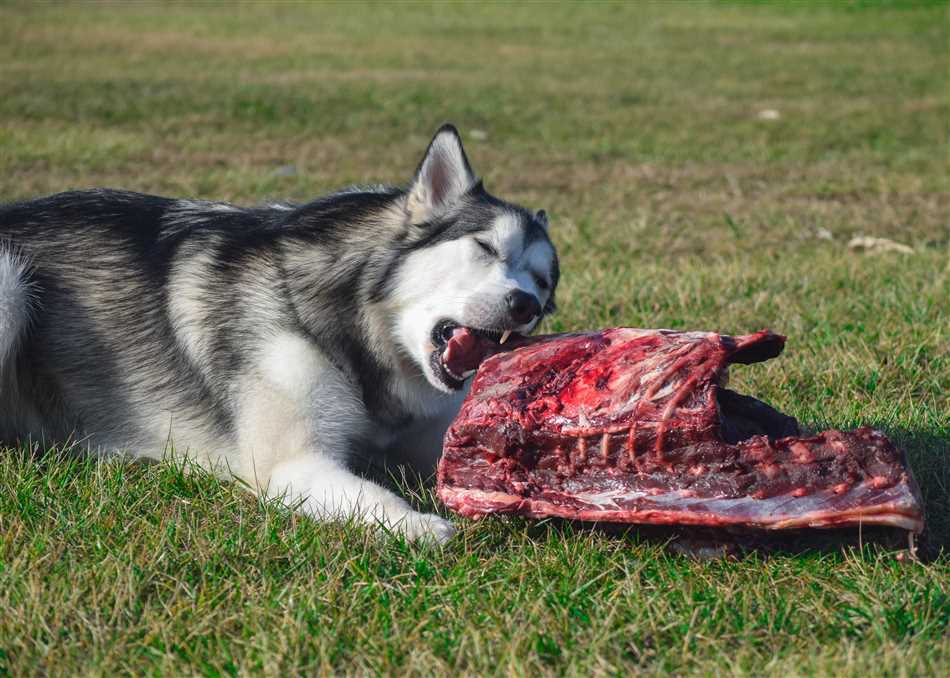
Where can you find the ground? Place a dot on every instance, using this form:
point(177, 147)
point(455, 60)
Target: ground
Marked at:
point(704, 166)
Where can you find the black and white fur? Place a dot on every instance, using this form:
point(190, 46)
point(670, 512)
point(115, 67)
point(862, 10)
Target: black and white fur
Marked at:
point(279, 344)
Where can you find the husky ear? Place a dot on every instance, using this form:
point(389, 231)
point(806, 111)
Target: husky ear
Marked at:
point(442, 178)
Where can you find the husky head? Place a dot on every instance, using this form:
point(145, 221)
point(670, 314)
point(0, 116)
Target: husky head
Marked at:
point(475, 269)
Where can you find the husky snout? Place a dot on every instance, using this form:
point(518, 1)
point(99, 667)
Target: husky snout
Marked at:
point(522, 306)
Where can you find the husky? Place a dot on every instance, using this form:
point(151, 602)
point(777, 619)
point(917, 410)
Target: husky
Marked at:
point(283, 344)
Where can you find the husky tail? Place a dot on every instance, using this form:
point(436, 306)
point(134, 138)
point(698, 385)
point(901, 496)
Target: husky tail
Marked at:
point(16, 306)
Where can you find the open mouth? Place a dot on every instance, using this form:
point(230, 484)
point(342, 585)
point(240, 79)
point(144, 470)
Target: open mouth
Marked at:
point(460, 350)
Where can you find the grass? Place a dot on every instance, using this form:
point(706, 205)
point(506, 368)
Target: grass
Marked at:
point(673, 204)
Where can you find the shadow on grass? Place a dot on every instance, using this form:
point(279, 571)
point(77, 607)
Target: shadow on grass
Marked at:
point(928, 454)
point(701, 543)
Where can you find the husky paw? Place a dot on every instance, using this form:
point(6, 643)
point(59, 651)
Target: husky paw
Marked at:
point(426, 527)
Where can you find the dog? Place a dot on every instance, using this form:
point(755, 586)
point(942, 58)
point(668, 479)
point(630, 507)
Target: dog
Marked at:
point(282, 344)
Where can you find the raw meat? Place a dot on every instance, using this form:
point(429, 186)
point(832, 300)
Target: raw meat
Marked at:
point(636, 426)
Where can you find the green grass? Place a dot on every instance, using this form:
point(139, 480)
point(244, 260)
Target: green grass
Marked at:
point(673, 204)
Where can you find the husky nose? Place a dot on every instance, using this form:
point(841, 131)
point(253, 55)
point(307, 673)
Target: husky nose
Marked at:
point(522, 306)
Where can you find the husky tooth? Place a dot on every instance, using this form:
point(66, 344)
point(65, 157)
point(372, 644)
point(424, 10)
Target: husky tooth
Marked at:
point(278, 343)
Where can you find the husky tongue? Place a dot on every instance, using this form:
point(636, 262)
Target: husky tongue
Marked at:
point(465, 351)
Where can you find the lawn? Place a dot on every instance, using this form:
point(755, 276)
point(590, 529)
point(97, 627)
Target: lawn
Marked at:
point(678, 198)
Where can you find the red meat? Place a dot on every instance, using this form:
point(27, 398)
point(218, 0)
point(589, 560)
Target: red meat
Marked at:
point(635, 426)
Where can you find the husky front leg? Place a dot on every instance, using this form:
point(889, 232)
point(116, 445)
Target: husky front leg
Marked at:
point(299, 419)
point(325, 489)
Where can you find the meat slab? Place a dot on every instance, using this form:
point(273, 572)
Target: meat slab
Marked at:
point(636, 426)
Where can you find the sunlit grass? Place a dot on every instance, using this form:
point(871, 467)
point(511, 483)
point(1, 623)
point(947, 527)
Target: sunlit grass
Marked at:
point(673, 203)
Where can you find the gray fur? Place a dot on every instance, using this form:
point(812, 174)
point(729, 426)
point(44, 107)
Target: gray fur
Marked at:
point(275, 343)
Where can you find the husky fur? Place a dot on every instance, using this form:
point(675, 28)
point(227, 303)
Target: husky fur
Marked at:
point(282, 344)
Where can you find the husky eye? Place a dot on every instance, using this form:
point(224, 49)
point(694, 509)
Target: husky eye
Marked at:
point(486, 248)
point(541, 282)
